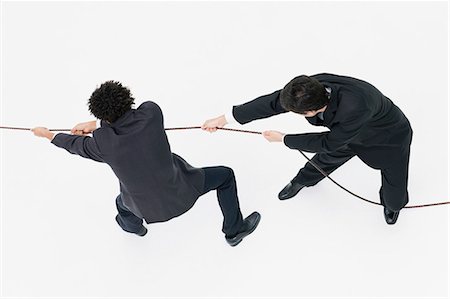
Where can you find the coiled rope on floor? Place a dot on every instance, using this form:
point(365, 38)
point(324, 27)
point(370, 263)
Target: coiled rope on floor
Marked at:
point(260, 133)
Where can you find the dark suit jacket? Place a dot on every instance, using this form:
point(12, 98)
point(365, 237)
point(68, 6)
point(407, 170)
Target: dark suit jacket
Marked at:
point(155, 184)
point(358, 115)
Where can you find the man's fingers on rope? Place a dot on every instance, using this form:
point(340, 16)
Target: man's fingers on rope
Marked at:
point(209, 129)
point(79, 132)
point(211, 125)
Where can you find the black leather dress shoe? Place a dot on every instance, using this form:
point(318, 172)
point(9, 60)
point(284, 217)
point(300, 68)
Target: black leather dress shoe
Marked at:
point(390, 216)
point(290, 190)
point(250, 224)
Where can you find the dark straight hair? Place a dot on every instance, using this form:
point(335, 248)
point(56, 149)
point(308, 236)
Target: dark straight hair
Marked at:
point(303, 94)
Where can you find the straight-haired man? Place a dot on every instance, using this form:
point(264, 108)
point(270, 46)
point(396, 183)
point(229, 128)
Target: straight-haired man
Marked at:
point(362, 122)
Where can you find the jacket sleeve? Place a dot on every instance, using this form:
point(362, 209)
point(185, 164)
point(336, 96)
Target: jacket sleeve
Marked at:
point(340, 134)
point(261, 107)
point(84, 146)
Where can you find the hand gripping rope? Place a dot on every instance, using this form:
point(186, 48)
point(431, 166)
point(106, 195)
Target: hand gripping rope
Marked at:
point(260, 133)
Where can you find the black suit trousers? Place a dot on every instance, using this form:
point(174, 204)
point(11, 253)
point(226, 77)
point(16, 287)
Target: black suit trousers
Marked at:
point(393, 161)
point(218, 178)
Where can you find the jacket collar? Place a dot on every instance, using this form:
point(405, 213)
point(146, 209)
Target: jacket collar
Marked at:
point(328, 114)
point(121, 120)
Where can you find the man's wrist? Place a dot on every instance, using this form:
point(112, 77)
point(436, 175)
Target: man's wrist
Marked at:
point(50, 136)
point(229, 118)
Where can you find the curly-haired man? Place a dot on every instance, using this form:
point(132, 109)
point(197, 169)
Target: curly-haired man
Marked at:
point(155, 184)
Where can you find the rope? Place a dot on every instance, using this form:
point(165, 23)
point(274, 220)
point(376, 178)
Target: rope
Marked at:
point(303, 154)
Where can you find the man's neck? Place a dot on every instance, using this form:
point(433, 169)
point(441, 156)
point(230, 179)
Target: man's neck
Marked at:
point(322, 109)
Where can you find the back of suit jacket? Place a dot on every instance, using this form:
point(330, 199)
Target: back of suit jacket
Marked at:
point(155, 184)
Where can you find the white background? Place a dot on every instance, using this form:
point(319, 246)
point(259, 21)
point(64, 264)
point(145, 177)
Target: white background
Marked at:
point(196, 60)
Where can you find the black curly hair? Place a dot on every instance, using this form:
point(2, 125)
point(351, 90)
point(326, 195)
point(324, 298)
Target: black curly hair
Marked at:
point(110, 101)
point(303, 94)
